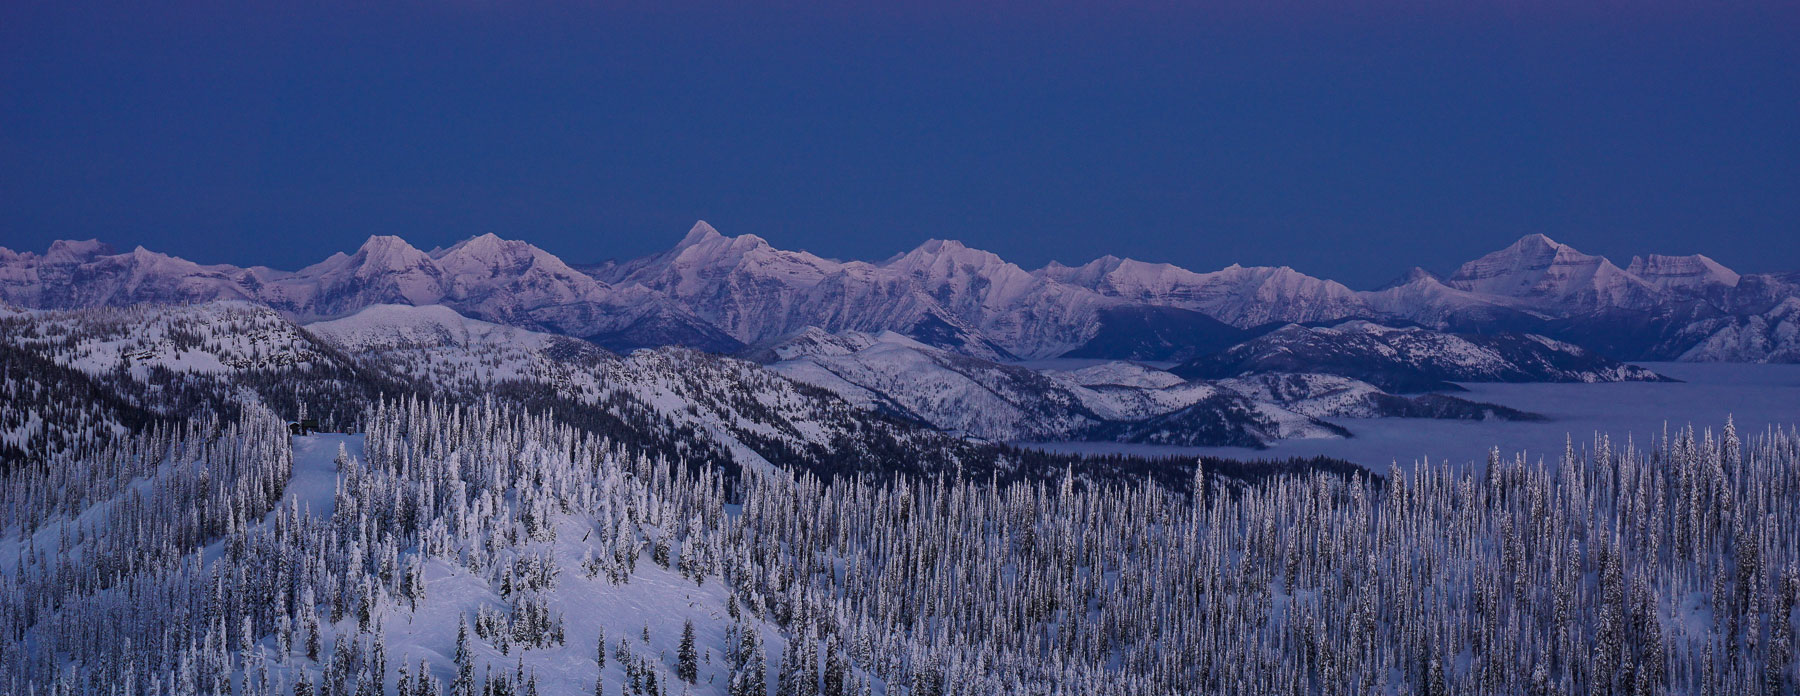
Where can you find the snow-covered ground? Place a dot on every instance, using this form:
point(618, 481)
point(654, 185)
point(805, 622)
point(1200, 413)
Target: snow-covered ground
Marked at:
point(1756, 396)
point(656, 598)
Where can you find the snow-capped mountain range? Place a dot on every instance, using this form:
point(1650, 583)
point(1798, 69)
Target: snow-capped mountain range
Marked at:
point(724, 294)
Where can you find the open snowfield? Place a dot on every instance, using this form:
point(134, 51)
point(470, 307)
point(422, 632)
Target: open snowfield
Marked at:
point(1756, 396)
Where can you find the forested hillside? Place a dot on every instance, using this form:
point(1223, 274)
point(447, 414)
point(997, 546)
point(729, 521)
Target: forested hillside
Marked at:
point(466, 550)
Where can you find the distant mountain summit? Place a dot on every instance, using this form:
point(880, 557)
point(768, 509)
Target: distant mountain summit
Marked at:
point(724, 294)
point(1540, 270)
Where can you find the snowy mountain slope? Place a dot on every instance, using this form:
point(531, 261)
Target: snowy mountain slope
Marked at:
point(504, 281)
point(747, 288)
point(1117, 373)
point(1693, 273)
point(966, 395)
point(1031, 316)
point(1107, 401)
point(1335, 396)
point(157, 364)
point(1145, 332)
point(941, 293)
point(1222, 418)
point(143, 365)
point(207, 339)
point(89, 273)
point(1005, 402)
point(47, 409)
point(392, 327)
point(436, 346)
point(324, 528)
point(813, 341)
point(752, 416)
point(481, 550)
point(1239, 296)
point(1411, 360)
point(1772, 336)
point(1425, 299)
point(146, 365)
point(721, 294)
point(1538, 269)
point(84, 377)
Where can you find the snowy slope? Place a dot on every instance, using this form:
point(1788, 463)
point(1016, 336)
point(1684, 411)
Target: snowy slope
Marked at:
point(721, 294)
point(941, 293)
point(653, 597)
point(1333, 396)
point(1694, 273)
point(217, 338)
point(1772, 336)
point(487, 550)
point(1541, 270)
point(1006, 402)
point(1412, 360)
point(326, 491)
point(956, 393)
point(390, 327)
point(503, 281)
point(1118, 373)
point(47, 409)
point(1240, 296)
point(752, 415)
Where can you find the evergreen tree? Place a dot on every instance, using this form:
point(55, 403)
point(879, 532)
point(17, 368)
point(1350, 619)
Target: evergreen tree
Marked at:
point(687, 667)
point(464, 684)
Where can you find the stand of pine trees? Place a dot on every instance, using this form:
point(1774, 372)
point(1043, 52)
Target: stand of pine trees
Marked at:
point(164, 563)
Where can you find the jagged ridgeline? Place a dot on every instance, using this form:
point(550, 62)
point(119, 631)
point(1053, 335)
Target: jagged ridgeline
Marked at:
point(464, 550)
point(76, 380)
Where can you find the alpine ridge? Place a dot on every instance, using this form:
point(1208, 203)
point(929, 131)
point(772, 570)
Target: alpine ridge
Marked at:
point(724, 294)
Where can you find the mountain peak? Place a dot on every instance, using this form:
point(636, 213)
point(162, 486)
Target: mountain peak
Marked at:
point(944, 254)
point(1108, 262)
point(1087, 275)
point(1531, 253)
point(76, 251)
point(1412, 275)
point(700, 232)
point(1538, 268)
point(487, 244)
point(1536, 240)
point(1681, 271)
point(387, 253)
point(948, 248)
point(384, 243)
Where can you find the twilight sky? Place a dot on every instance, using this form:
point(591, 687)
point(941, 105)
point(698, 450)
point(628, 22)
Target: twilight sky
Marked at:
point(1346, 139)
